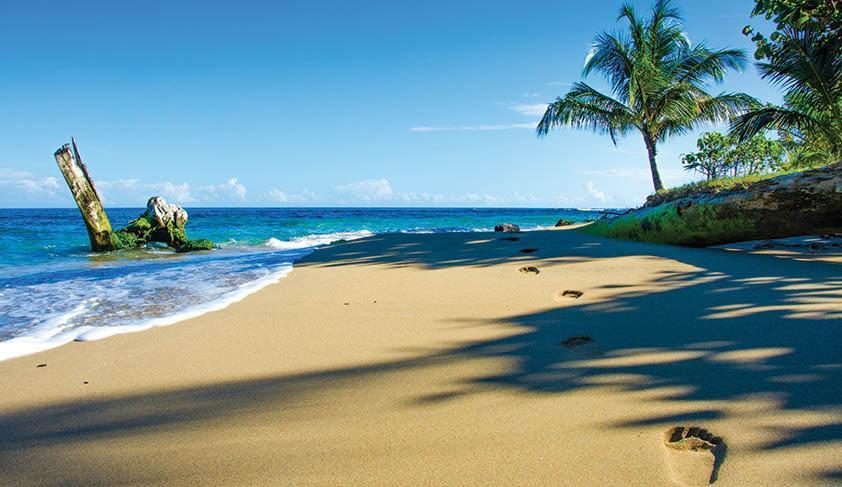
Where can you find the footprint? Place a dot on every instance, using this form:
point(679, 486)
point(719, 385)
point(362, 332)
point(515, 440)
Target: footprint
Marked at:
point(529, 270)
point(528, 251)
point(570, 293)
point(583, 345)
point(694, 455)
point(511, 239)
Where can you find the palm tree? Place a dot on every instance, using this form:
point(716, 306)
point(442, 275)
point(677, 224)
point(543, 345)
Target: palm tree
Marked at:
point(657, 81)
point(809, 67)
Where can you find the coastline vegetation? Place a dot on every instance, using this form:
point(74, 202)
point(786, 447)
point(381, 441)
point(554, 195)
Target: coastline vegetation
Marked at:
point(658, 84)
point(755, 185)
point(657, 81)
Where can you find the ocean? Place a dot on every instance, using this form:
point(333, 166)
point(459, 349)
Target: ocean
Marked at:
point(54, 290)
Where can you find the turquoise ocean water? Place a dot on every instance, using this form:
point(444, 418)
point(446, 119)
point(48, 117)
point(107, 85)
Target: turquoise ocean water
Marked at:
point(54, 290)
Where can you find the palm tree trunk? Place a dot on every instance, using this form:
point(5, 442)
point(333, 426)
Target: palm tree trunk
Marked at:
point(653, 165)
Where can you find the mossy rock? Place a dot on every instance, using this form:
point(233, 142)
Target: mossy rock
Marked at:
point(195, 245)
point(793, 204)
point(161, 222)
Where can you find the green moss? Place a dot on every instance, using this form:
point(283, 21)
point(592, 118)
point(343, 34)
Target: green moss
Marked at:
point(194, 245)
point(142, 230)
point(176, 235)
point(122, 240)
point(139, 225)
point(691, 224)
point(711, 187)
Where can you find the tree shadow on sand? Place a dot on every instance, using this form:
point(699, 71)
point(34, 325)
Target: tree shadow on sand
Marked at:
point(737, 326)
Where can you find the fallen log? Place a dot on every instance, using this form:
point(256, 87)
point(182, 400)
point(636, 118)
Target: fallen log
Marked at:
point(161, 222)
point(792, 204)
point(87, 199)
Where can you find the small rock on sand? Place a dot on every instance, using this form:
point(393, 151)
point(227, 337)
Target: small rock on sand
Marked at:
point(507, 227)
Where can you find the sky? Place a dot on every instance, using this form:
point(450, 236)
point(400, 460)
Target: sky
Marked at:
point(324, 103)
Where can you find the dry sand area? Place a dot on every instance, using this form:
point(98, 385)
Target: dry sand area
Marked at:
point(434, 360)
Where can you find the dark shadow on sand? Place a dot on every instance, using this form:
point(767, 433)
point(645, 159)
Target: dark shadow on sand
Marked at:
point(737, 336)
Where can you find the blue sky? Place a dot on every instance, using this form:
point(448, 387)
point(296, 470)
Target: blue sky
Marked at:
point(322, 103)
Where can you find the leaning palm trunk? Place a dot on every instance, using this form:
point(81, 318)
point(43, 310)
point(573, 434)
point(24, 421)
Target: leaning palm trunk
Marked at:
point(652, 150)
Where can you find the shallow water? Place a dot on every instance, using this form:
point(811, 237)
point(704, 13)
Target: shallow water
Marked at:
point(54, 290)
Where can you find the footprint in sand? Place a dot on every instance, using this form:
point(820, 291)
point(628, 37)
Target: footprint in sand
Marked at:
point(528, 251)
point(529, 270)
point(583, 345)
point(568, 294)
point(694, 455)
point(511, 239)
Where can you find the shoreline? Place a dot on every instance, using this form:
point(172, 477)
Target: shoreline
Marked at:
point(57, 336)
point(429, 358)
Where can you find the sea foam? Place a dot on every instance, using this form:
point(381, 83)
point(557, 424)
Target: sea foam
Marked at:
point(48, 309)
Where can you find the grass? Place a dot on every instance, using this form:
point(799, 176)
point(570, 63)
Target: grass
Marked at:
point(713, 186)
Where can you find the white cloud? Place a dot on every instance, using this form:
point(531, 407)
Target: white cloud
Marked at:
point(178, 192)
point(478, 198)
point(505, 126)
point(380, 190)
point(531, 110)
point(230, 190)
point(527, 198)
point(559, 83)
point(133, 191)
point(28, 183)
point(367, 190)
point(531, 95)
point(6, 173)
point(278, 196)
point(596, 193)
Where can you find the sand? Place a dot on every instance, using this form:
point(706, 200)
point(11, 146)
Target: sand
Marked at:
point(430, 359)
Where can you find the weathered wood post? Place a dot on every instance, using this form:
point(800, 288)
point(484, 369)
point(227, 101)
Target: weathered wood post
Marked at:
point(87, 199)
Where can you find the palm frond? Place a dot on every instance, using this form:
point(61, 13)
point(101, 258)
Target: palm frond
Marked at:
point(586, 108)
point(804, 64)
point(754, 122)
point(701, 64)
point(611, 55)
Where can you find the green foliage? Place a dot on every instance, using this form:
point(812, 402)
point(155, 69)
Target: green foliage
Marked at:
point(712, 186)
point(124, 240)
point(194, 245)
point(804, 58)
point(657, 81)
point(141, 231)
point(822, 16)
point(697, 226)
point(720, 156)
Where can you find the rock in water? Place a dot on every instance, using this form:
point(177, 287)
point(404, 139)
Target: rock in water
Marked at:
point(507, 227)
point(161, 222)
point(563, 223)
point(162, 213)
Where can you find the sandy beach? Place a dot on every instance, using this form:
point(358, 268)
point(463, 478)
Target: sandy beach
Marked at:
point(412, 359)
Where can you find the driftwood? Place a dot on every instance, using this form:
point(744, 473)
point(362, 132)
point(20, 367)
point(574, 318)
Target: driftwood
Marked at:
point(87, 199)
point(161, 222)
point(807, 202)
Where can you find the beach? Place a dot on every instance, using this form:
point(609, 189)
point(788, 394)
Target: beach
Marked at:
point(433, 359)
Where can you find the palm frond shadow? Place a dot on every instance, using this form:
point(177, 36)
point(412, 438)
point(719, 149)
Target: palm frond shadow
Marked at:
point(738, 326)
